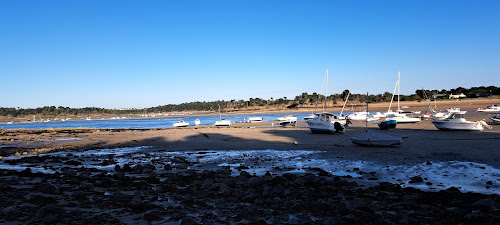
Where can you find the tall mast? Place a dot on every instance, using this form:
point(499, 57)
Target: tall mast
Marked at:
point(399, 86)
point(367, 113)
point(326, 90)
point(345, 103)
point(392, 98)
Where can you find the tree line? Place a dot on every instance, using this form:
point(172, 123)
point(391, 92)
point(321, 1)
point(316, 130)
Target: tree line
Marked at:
point(303, 100)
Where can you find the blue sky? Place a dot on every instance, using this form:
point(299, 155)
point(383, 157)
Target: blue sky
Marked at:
point(117, 54)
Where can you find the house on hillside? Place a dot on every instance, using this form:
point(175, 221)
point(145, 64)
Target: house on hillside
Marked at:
point(457, 96)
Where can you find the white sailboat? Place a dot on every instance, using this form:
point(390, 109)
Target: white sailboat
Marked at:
point(326, 122)
point(457, 122)
point(398, 116)
point(222, 122)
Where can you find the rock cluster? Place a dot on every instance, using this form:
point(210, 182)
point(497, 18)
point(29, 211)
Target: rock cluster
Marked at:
point(148, 194)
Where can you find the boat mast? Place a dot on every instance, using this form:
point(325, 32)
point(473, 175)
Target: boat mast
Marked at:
point(220, 117)
point(326, 90)
point(367, 113)
point(348, 93)
point(393, 92)
point(399, 86)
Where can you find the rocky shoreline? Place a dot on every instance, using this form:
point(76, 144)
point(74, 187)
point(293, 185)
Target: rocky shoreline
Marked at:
point(174, 193)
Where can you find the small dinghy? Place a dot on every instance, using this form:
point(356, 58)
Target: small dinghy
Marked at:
point(376, 139)
point(388, 124)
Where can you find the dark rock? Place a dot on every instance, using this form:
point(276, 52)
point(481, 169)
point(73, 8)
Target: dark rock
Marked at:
point(73, 163)
point(151, 216)
point(188, 221)
point(416, 179)
point(50, 214)
point(182, 166)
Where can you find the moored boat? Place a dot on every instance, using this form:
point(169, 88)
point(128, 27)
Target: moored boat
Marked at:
point(493, 108)
point(181, 124)
point(254, 119)
point(457, 122)
point(388, 123)
point(495, 119)
point(197, 122)
point(326, 123)
point(222, 122)
point(310, 117)
point(376, 139)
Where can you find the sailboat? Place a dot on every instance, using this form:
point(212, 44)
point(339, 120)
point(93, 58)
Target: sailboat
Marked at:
point(370, 138)
point(398, 116)
point(222, 122)
point(326, 122)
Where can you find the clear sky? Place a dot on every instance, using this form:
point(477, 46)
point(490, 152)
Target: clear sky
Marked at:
point(119, 53)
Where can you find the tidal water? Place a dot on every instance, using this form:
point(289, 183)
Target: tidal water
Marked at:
point(148, 123)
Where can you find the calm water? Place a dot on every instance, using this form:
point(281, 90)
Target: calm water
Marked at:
point(145, 123)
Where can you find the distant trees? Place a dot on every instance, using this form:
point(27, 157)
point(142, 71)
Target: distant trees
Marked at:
point(303, 100)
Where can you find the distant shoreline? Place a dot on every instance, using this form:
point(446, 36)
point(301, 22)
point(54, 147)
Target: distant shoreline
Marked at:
point(465, 104)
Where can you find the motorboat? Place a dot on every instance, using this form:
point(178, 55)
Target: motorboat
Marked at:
point(310, 117)
point(181, 124)
point(493, 108)
point(439, 115)
point(453, 110)
point(254, 119)
point(495, 119)
point(288, 121)
point(222, 122)
point(370, 138)
point(405, 119)
point(197, 122)
point(457, 122)
point(379, 115)
point(326, 123)
point(388, 123)
point(289, 118)
point(363, 116)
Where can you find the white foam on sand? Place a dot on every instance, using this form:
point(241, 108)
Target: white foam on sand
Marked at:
point(467, 176)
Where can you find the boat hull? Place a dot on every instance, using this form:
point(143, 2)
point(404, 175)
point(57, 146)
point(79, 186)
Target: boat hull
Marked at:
point(222, 123)
point(323, 127)
point(454, 126)
point(388, 124)
point(406, 120)
point(495, 120)
point(288, 123)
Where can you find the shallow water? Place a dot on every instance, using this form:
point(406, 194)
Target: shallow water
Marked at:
point(149, 123)
point(467, 176)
